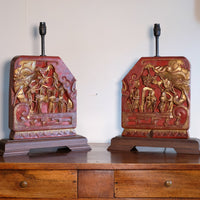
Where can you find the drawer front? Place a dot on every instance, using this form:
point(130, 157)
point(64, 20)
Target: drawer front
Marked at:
point(38, 183)
point(95, 184)
point(157, 183)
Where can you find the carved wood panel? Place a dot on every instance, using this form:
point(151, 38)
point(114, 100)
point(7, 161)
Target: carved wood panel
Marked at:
point(42, 98)
point(156, 98)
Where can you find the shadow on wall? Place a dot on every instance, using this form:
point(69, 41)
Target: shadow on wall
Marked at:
point(35, 39)
point(151, 43)
point(197, 10)
point(5, 115)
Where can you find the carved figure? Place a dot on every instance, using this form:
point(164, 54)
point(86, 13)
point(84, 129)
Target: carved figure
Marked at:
point(51, 103)
point(163, 102)
point(156, 95)
point(62, 104)
point(40, 97)
point(150, 101)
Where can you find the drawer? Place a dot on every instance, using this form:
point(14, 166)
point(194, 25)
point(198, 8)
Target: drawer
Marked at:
point(157, 183)
point(38, 183)
point(95, 184)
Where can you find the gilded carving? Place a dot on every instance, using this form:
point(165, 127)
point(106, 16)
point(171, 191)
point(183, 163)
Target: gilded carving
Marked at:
point(40, 89)
point(157, 97)
point(43, 95)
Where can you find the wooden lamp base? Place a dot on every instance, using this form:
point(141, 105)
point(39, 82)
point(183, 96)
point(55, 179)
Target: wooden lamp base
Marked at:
point(186, 146)
point(23, 147)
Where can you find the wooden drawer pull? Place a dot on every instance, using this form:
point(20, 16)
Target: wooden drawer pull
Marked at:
point(168, 183)
point(23, 184)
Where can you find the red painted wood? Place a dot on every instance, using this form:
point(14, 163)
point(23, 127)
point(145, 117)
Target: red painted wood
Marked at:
point(42, 98)
point(156, 98)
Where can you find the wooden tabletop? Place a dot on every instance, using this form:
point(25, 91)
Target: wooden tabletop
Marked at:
point(100, 158)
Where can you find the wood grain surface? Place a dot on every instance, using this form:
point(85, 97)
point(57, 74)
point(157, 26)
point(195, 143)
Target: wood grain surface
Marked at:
point(39, 183)
point(100, 174)
point(100, 158)
point(153, 183)
point(95, 183)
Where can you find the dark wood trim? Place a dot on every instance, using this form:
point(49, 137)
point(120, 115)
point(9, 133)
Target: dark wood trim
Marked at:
point(23, 147)
point(185, 146)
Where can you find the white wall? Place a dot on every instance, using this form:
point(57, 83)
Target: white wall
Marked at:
point(100, 41)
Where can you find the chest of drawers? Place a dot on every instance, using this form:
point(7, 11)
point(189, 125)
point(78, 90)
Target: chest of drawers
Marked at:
point(100, 174)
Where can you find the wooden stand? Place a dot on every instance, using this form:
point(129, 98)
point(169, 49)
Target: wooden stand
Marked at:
point(187, 146)
point(23, 147)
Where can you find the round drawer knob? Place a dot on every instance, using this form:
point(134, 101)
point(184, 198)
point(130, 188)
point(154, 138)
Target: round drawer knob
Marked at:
point(168, 183)
point(23, 184)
